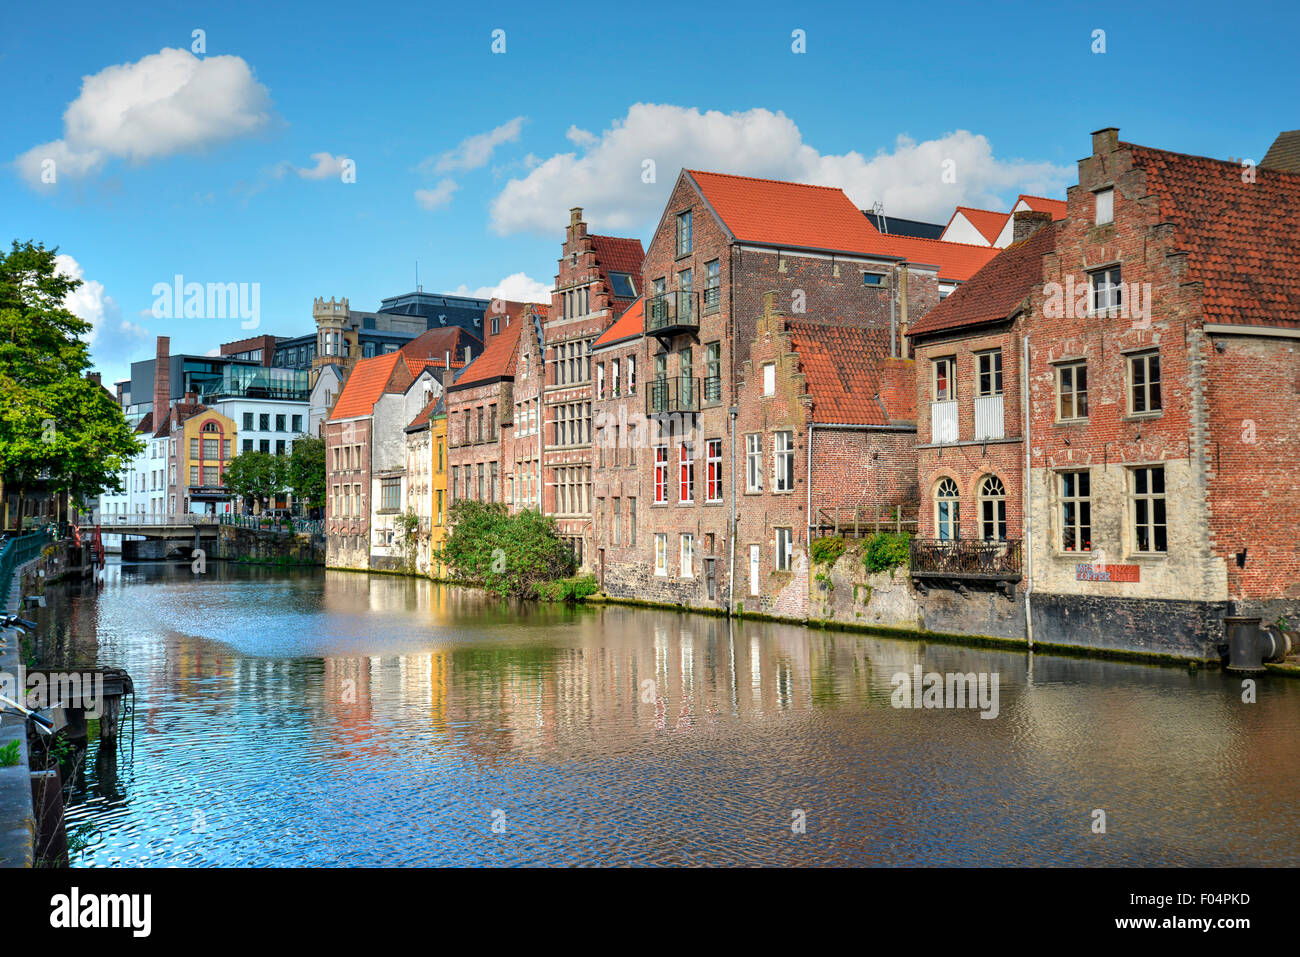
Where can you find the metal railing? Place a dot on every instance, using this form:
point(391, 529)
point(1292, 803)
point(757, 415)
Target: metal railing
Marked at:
point(309, 526)
point(672, 394)
point(672, 312)
point(713, 388)
point(966, 558)
point(184, 518)
point(18, 551)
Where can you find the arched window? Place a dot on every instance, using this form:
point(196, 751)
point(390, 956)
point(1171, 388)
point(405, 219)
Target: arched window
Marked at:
point(993, 510)
point(946, 511)
point(211, 426)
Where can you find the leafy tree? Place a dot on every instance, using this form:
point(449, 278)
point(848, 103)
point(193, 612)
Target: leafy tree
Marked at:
point(55, 424)
point(306, 471)
point(256, 476)
point(509, 554)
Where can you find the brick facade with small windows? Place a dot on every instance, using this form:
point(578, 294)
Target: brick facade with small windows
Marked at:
point(747, 263)
point(596, 279)
point(1162, 344)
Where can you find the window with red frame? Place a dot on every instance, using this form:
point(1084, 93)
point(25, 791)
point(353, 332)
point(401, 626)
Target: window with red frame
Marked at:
point(661, 473)
point(687, 459)
point(713, 473)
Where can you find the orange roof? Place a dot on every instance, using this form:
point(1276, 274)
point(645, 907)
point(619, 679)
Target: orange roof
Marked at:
point(787, 214)
point(421, 420)
point(957, 262)
point(1240, 237)
point(841, 367)
point(627, 326)
point(986, 221)
point(497, 360)
point(796, 215)
point(1041, 204)
point(365, 385)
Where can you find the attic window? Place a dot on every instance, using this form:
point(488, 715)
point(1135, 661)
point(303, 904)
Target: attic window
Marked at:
point(622, 285)
point(1105, 206)
point(873, 279)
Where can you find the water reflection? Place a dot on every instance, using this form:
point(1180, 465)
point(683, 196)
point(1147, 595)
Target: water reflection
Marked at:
point(333, 718)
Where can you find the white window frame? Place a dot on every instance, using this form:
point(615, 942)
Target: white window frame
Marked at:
point(687, 568)
point(782, 453)
point(754, 462)
point(783, 558)
point(661, 554)
point(1105, 206)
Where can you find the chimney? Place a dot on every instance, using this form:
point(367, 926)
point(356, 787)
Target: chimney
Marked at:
point(162, 380)
point(1027, 222)
point(95, 377)
point(1105, 140)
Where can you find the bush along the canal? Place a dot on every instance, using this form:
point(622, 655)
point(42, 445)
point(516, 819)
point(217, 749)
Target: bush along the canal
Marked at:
point(507, 554)
point(827, 550)
point(885, 551)
point(575, 589)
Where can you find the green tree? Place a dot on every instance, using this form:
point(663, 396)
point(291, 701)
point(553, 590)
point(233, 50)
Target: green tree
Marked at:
point(509, 554)
point(56, 425)
point(306, 471)
point(256, 476)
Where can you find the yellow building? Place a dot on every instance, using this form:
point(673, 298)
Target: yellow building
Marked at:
point(203, 442)
point(424, 482)
point(438, 433)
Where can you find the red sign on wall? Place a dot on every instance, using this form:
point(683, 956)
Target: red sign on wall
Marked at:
point(1107, 573)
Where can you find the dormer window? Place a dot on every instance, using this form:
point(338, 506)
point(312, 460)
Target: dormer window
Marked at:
point(1105, 206)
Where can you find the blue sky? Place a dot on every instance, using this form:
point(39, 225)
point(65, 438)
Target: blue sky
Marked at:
point(466, 159)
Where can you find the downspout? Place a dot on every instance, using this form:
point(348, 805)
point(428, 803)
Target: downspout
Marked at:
point(809, 481)
point(1025, 496)
point(731, 572)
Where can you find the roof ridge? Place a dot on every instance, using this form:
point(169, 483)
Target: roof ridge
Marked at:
point(763, 179)
point(1231, 164)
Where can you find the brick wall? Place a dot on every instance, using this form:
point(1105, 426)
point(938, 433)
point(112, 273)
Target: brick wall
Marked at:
point(347, 530)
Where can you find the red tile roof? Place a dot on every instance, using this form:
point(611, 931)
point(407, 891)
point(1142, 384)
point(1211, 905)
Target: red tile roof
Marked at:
point(437, 342)
point(988, 222)
point(774, 213)
point(364, 386)
point(800, 216)
point(497, 360)
point(996, 290)
point(627, 326)
point(1041, 204)
point(841, 366)
point(618, 254)
point(1240, 237)
point(957, 262)
point(422, 419)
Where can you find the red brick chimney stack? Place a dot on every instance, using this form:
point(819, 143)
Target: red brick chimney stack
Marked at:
point(162, 381)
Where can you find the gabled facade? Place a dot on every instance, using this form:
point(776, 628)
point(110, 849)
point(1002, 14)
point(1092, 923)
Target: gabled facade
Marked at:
point(1159, 321)
point(729, 251)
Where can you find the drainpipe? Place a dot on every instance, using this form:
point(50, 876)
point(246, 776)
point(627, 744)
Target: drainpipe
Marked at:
point(1025, 496)
point(809, 483)
point(731, 572)
point(893, 325)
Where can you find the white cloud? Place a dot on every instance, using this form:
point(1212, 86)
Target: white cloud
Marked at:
point(327, 165)
point(605, 175)
point(111, 338)
point(168, 102)
point(440, 195)
point(474, 151)
point(517, 287)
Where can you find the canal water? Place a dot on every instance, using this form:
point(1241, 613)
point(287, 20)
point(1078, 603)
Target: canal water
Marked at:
point(327, 718)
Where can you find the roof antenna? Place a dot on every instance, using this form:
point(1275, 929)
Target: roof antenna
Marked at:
point(417, 276)
point(878, 208)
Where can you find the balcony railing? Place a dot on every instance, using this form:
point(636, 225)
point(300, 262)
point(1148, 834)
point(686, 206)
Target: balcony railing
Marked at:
point(674, 394)
point(713, 388)
point(988, 417)
point(943, 422)
point(965, 559)
point(671, 313)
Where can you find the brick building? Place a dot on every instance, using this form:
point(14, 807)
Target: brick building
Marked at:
point(365, 455)
point(596, 280)
point(730, 250)
point(1163, 381)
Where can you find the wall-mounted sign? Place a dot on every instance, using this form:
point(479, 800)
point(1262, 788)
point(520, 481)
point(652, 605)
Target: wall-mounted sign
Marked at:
point(1107, 573)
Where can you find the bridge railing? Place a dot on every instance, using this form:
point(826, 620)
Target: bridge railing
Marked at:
point(108, 521)
point(17, 551)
